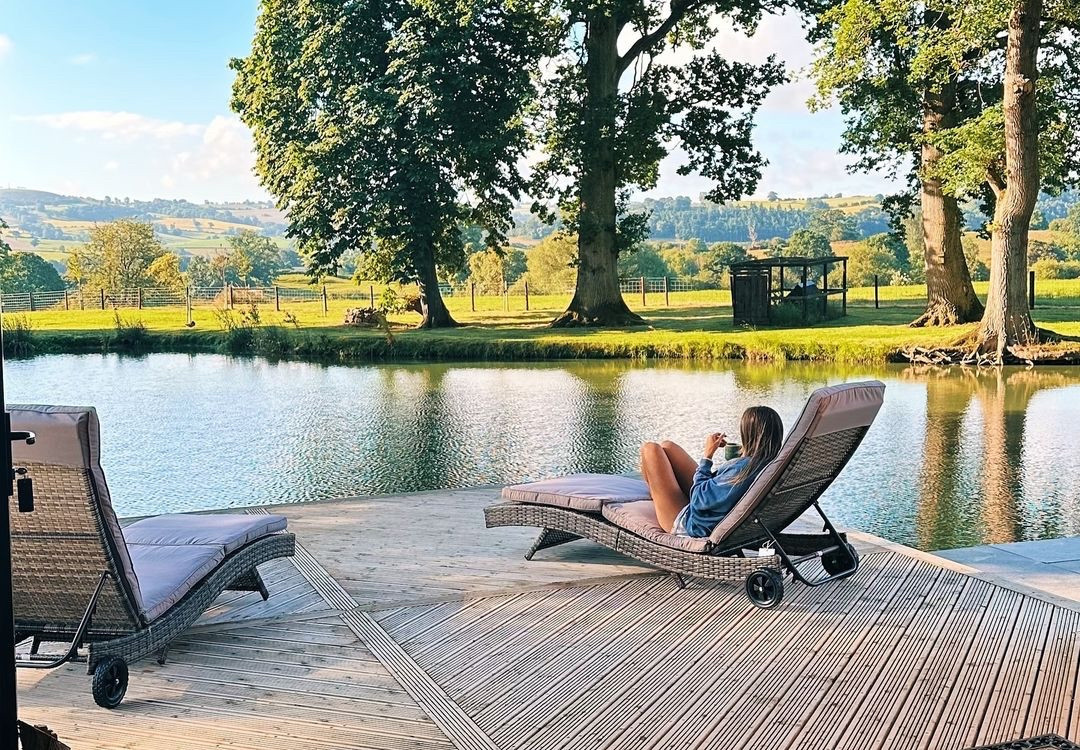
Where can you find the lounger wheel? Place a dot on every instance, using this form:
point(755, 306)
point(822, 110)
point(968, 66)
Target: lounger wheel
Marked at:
point(844, 560)
point(765, 587)
point(110, 681)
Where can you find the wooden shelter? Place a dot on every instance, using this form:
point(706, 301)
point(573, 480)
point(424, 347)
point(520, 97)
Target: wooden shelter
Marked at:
point(759, 286)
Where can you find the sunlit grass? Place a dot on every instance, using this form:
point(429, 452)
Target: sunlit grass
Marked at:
point(697, 325)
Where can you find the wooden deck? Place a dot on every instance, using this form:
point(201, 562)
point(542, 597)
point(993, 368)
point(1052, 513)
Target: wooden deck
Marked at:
point(371, 641)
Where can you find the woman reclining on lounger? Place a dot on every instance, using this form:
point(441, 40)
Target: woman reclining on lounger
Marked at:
point(692, 498)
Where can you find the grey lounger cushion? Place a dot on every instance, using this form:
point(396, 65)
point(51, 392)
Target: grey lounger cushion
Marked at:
point(167, 572)
point(585, 492)
point(639, 517)
point(230, 531)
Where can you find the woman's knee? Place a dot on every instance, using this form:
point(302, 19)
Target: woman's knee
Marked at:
point(649, 450)
point(668, 444)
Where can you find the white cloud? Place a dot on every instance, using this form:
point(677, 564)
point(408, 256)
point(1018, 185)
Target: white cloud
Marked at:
point(6, 46)
point(115, 125)
point(112, 165)
point(83, 58)
point(225, 149)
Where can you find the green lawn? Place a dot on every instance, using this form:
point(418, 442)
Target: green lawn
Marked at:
point(697, 325)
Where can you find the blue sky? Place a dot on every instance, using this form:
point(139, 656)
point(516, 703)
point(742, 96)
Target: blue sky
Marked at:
point(131, 98)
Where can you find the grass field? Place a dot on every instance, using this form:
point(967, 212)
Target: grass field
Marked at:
point(697, 325)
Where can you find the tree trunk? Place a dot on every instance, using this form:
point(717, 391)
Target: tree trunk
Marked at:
point(950, 297)
point(1007, 321)
point(432, 307)
point(597, 299)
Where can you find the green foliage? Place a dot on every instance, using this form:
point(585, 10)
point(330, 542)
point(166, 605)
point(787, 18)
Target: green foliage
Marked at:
point(682, 261)
point(882, 255)
point(1049, 268)
point(490, 270)
point(644, 260)
point(551, 264)
point(119, 254)
point(667, 88)
point(978, 270)
point(127, 334)
point(371, 120)
point(834, 225)
point(164, 271)
point(712, 222)
point(255, 258)
point(1038, 220)
point(26, 272)
point(805, 243)
point(201, 273)
point(19, 337)
point(719, 259)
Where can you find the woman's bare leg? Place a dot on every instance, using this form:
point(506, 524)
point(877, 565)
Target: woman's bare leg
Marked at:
point(682, 463)
point(667, 496)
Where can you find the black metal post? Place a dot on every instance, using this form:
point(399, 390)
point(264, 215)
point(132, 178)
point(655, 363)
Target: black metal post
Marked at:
point(845, 286)
point(9, 711)
point(875, 291)
point(1031, 290)
point(825, 290)
point(805, 314)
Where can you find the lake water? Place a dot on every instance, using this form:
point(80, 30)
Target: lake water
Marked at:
point(954, 458)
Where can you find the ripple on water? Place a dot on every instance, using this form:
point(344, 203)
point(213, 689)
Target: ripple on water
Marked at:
point(954, 459)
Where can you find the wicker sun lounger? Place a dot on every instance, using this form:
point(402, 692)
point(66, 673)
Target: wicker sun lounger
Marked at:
point(616, 511)
point(122, 594)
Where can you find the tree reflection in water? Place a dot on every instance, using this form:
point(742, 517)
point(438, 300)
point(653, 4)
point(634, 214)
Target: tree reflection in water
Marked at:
point(992, 511)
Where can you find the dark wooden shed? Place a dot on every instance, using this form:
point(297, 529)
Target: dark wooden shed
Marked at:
point(759, 286)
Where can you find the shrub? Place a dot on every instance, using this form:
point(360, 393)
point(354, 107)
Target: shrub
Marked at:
point(128, 334)
point(19, 337)
point(1056, 269)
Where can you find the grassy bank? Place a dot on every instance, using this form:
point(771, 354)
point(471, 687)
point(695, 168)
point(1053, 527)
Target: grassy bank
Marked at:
point(691, 331)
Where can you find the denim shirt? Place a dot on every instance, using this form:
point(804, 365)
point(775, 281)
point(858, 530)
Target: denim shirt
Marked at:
point(712, 495)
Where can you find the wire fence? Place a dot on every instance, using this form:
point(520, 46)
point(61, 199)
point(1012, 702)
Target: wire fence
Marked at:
point(363, 294)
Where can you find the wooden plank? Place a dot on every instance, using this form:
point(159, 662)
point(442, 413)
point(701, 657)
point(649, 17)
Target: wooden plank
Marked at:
point(455, 723)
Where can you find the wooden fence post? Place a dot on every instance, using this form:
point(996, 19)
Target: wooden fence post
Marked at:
point(140, 298)
point(67, 302)
point(472, 295)
point(277, 298)
point(187, 300)
point(102, 299)
point(526, 296)
point(371, 295)
point(229, 288)
point(876, 305)
point(1031, 289)
point(325, 304)
point(667, 292)
point(643, 291)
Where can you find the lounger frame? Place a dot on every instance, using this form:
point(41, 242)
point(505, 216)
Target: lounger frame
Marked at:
point(69, 580)
point(562, 525)
point(237, 572)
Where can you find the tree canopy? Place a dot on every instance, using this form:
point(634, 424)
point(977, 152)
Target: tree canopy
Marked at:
point(118, 256)
point(384, 127)
point(610, 115)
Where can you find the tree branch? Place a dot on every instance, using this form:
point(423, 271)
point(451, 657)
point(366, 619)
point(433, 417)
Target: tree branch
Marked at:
point(995, 182)
point(679, 9)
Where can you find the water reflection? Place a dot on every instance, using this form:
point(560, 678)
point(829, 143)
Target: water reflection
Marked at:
point(956, 457)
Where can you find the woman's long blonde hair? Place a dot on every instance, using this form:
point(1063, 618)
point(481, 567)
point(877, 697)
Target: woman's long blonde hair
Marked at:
point(762, 434)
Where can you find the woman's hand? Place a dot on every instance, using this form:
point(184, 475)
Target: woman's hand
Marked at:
point(714, 442)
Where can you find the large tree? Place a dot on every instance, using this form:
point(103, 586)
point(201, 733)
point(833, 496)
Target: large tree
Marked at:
point(118, 255)
point(868, 60)
point(1015, 148)
point(635, 77)
point(384, 127)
